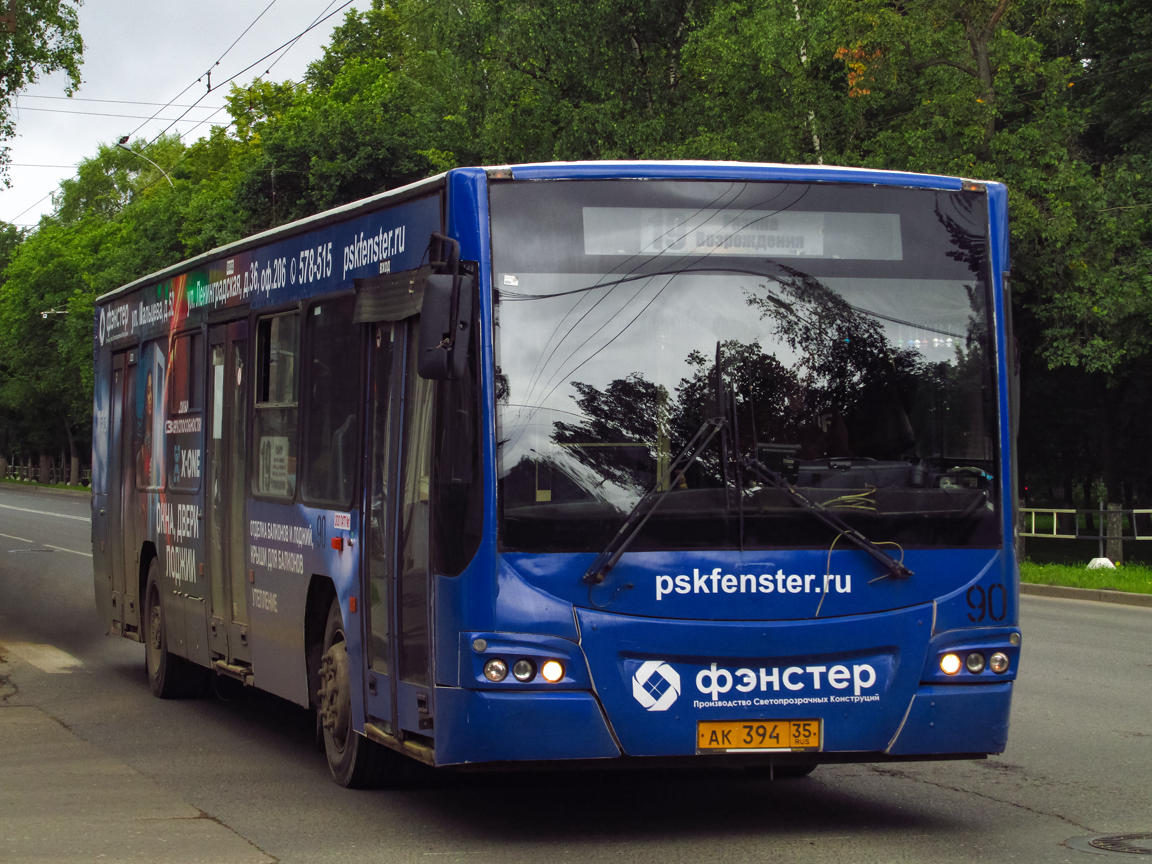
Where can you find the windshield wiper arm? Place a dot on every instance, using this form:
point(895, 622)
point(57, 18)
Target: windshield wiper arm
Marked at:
point(765, 474)
point(647, 505)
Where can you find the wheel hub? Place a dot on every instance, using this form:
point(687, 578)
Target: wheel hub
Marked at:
point(154, 628)
point(335, 697)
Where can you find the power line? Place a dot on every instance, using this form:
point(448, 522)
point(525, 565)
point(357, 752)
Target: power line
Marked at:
point(312, 26)
point(246, 29)
point(209, 72)
point(297, 39)
point(113, 101)
point(105, 114)
point(30, 206)
point(58, 185)
point(286, 45)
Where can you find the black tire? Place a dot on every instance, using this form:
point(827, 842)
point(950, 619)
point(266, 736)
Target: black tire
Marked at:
point(355, 761)
point(169, 676)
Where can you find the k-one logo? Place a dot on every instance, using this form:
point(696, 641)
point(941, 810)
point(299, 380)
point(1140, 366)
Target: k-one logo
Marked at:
point(656, 685)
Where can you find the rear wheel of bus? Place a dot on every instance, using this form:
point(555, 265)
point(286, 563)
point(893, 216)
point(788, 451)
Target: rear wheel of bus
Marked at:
point(169, 676)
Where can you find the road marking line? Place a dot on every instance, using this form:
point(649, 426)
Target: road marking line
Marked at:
point(46, 513)
point(46, 658)
point(49, 545)
point(62, 549)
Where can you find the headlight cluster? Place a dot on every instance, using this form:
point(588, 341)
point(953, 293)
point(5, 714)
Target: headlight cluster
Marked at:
point(975, 663)
point(524, 670)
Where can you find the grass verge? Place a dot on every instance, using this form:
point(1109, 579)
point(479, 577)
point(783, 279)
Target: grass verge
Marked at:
point(26, 485)
point(1134, 578)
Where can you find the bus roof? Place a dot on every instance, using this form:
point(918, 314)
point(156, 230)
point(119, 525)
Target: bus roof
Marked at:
point(699, 169)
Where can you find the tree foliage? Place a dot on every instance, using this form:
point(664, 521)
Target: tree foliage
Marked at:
point(1052, 97)
point(47, 39)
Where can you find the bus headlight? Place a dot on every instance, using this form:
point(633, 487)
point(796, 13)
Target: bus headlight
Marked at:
point(524, 670)
point(950, 664)
point(496, 670)
point(975, 662)
point(998, 663)
point(553, 671)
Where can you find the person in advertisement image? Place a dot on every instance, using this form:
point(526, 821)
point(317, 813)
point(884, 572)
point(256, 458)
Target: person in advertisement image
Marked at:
point(150, 420)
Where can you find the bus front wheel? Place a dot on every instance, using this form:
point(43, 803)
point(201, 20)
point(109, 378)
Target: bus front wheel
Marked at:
point(355, 762)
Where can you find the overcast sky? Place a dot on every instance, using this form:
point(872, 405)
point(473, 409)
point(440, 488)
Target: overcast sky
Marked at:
point(143, 51)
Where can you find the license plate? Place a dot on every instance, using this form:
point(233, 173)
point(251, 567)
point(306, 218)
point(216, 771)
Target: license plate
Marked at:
point(726, 736)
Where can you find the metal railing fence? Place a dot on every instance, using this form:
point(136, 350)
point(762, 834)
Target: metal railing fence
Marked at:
point(1107, 525)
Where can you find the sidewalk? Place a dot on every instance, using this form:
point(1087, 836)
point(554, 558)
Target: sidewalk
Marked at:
point(62, 800)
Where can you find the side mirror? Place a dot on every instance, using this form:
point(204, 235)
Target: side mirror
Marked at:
point(445, 325)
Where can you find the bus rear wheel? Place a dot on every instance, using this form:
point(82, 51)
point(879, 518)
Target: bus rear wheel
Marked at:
point(169, 676)
point(355, 761)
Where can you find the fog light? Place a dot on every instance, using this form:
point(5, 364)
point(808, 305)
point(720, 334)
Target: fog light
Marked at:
point(524, 670)
point(950, 664)
point(975, 662)
point(553, 671)
point(998, 663)
point(495, 669)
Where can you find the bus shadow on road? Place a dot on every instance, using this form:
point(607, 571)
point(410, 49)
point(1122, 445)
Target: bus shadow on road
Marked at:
point(582, 806)
point(661, 804)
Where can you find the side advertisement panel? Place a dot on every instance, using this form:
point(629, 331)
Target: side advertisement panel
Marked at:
point(317, 262)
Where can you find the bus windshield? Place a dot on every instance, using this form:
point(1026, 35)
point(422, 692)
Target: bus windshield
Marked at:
point(844, 332)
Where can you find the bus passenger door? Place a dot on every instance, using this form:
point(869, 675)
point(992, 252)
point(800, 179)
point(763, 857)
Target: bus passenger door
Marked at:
point(224, 497)
point(379, 518)
point(396, 566)
point(120, 480)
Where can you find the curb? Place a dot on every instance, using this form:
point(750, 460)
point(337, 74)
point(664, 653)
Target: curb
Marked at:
point(1100, 595)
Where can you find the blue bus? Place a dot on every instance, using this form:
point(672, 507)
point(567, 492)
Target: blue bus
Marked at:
point(667, 463)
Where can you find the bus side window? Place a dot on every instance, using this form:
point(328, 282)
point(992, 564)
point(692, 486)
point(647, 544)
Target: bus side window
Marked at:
point(277, 401)
point(333, 382)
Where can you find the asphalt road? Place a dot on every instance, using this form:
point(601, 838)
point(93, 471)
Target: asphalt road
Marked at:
point(1079, 757)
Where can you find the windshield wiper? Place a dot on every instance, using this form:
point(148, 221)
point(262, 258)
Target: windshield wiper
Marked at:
point(766, 475)
point(647, 505)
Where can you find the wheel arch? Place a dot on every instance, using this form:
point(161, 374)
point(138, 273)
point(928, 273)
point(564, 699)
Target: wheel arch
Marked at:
point(148, 553)
point(321, 593)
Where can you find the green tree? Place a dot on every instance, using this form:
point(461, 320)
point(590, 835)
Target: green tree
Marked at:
point(360, 136)
point(47, 39)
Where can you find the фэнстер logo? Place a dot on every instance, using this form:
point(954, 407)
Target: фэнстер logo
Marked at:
point(656, 685)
